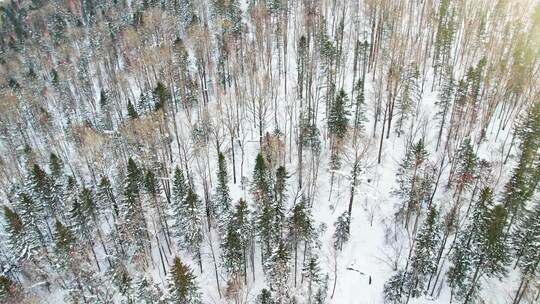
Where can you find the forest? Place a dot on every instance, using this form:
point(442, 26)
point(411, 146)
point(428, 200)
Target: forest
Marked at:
point(270, 151)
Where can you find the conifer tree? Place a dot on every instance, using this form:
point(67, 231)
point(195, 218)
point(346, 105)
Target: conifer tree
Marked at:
point(8, 289)
point(15, 230)
point(132, 113)
point(409, 98)
point(466, 164)
point(342, 230)
point(278, 272)
point(145, 292)
point(161, 96)
point(526, 175)
point(311, 272)
point(264, 209)
point(105, 197)
point(191, 225)
point(134, 222)
point(237, 241)
point(222, 196)
point(280, 199)
point(338, 120)
point(39, 189)
point(414, 178)
point(526, 247)
point(182, 286)
point(423, 263)
point(265, 297)
point(32, 218)
point(393, 288)
point(300, 229)
point(360, 108)
point(56, 167)
point(480, 250)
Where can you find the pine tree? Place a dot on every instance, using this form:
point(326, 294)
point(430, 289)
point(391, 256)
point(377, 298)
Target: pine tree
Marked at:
point(360, 108)
point(278, 272)
point(338, 121)
point(526, 175)
point(280, 198)
point(39, 188)
point(342, 230)
point(480, 249)
point(64, 245)
point(15, 229)
point(8, 290)
point(179, 187)
point(132, 113)
point(222, 196)
point(32, 218)
point(57, 181)
point(161, 96)
point(466, 164)
point(393, 288)
point(409, 98)
point(265, 297)
point(134, 222)
point(183, 287)
point(322, 291)
point(444, 103)
point(300, 229)
point(145, 292)
point(526, 247)
point(237, 240)
point(191, 225)
point(311, 272)
point(264, 210)
point(233, 258)
point(423, 263)
point(105, 197)
point(414, 178)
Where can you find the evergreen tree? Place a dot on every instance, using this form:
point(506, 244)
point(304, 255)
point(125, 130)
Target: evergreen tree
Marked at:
point(134, 222)
point(57, 181)
point(132, 113)
point(161, 96)
point(322, 291)
point(526, 175)
point(32, 218)
point(105, 197)
point(39, 188)
point(233, 258)
point(338, 120)
point(311, 272)
point(423, 263)
point(222, 196)
point(179, 187)
point(393, 288)
point(466, 164)
point(15, 229)
point(64, 245)
point(342, 230)
point(300, 229)
point(360, 108)
point(191, 225)
point(265, 297)
point(409, 98)
point(183, 287)
point(145, 292)
point(526, 247)
point(265, 217)
point(278, 272)
point(8, 290)
point(414, 178)
point(280, 198)
point(480, 249)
